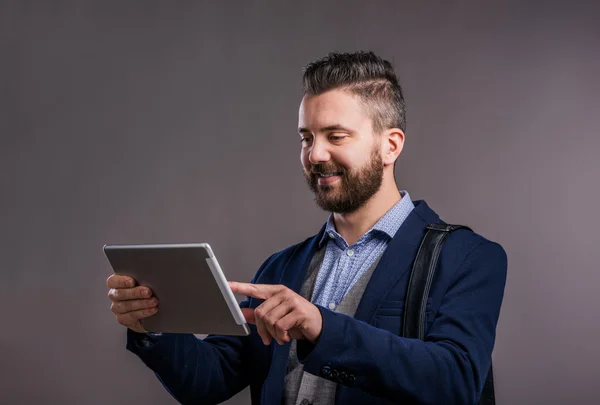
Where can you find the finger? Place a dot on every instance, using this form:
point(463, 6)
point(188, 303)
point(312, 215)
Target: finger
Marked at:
point(135, 293)
point(120, 281)
point(249, 315)
point(122, 307)
point(274, 319)
point(272, 310)
point(269, 304)
point(288, 323)
point(260, 291)
point(131, 318)
point(250, 318)
point(263, 332)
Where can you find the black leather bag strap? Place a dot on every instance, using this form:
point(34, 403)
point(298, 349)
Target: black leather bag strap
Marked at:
point(419, 285)
point(421, 278)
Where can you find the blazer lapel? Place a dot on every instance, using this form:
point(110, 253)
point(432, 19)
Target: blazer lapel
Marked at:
point(292, 276)
point(396, 260)
point(294, 271)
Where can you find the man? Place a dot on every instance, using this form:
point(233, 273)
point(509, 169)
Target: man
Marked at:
point(326, 313)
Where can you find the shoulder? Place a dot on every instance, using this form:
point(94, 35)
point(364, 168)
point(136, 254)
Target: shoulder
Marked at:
point(469, 255)
point(465, 242)
point(462, 244)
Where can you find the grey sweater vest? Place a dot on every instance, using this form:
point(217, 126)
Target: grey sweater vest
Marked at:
point(302, 388)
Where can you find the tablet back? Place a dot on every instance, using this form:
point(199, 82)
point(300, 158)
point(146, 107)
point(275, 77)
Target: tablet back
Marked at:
point(191, 295)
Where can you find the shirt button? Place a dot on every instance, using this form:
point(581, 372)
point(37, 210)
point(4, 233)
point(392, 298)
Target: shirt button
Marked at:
point(350, 252)
point(332, 305)
point(331, 235)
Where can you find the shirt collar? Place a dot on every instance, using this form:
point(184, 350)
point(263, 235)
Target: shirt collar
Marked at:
point(388, 224)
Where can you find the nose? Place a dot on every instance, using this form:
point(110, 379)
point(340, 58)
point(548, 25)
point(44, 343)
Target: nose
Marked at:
point(319, 152)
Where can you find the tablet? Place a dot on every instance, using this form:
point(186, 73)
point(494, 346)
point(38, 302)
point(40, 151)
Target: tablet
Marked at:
point(193, 294)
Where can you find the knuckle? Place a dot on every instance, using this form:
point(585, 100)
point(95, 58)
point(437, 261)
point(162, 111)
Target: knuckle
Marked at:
point(279, 325)
point(268, 319)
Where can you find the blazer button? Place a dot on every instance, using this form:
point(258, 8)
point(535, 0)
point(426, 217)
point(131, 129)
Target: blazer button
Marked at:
point(326, 372)
point(350, 378)
point(334, 374)
point(146, 342)
point(343, 377)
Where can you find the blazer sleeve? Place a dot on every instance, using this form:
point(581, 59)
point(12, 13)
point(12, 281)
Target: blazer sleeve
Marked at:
point(196, 371)
point(449, 367)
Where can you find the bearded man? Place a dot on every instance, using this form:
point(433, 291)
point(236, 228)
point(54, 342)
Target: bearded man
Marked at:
point(326, 314)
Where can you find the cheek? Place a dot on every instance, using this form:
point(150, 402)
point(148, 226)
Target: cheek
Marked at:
point(304, 159)
point(348, 160)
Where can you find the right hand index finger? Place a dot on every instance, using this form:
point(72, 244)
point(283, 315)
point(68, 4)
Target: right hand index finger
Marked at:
point(120, 281)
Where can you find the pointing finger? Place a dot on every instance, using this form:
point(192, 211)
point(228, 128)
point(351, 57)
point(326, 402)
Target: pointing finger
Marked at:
point(260, 291)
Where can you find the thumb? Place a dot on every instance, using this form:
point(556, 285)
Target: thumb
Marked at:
point(249, 315)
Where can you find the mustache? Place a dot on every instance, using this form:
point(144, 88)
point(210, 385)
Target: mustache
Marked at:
point(322, 169)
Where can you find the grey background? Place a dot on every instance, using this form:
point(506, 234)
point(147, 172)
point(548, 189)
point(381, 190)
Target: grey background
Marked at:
point(148, 121)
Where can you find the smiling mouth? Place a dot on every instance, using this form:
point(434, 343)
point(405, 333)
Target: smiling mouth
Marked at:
point(325, 175)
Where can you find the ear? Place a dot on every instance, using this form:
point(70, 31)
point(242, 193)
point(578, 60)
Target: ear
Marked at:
point(392, 144)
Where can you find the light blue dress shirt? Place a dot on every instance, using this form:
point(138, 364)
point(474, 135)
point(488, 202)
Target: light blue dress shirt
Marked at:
point(344, 265)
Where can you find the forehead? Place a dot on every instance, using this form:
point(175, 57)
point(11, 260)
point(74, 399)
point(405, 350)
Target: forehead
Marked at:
point(332, 107)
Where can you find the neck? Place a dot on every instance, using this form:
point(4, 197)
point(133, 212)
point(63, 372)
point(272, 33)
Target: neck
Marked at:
point(355, 224)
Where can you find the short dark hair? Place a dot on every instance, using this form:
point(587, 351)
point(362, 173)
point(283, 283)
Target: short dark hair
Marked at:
point(365, 74)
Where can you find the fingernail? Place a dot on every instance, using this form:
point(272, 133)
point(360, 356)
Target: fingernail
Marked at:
point(146, 292)
point(129, 283)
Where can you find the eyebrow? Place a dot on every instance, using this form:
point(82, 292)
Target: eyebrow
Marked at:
point(335, 127)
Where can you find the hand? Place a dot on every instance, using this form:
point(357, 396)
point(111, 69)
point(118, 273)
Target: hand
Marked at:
point(130, 303)
point(284, 315)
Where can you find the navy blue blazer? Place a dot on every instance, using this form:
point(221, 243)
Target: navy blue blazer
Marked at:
point(364, 354)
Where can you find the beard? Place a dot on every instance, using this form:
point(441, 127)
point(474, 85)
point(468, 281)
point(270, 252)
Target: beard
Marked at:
point(354, 188)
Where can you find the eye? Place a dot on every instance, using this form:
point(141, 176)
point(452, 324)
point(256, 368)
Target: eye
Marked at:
point(336, 137)
point(305, 139)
